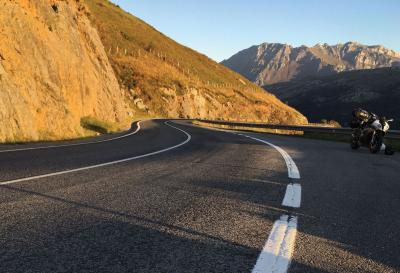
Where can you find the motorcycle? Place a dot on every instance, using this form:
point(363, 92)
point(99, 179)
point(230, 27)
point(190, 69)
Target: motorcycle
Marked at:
point(372, 136)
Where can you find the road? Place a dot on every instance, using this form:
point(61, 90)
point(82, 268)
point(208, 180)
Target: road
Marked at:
point(171, 197)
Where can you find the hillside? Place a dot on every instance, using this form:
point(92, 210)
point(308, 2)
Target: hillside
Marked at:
point(333, 97)
point(68, 66)
point(167, 79)
point(53, 72)
point(273, 63)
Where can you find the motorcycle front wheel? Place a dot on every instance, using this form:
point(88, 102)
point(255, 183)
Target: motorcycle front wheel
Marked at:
point(354, 145)
point(375, 146)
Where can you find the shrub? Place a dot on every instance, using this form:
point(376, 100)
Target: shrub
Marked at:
point(331, 123)
point(93, 124)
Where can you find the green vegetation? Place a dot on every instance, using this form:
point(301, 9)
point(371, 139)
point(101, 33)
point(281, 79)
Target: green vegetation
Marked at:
point(248, 129)
point(44, 136)
point(102, 127)
point(16, 140)
point(330, 123)
point(395, 143)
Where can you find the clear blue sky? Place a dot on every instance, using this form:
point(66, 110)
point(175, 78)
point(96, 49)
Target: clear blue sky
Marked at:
point(220, 28)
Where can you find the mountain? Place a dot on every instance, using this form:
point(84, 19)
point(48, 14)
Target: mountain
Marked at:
point(273, 63)
point(167, 79)
point(334, 97)
point(65, 63)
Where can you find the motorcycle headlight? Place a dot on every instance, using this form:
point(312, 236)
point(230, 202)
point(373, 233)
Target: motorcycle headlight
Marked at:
point(386, 127)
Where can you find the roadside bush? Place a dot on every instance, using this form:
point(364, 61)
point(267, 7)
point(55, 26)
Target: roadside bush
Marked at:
point(93, 124)
point(331, 123)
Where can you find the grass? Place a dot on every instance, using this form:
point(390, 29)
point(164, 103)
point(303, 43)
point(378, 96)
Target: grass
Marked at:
point(92, 127)
point(44, 136)
point(122, 31)
point(327, 136)
point(146, 61)
point(394, 143)
point(99, 126)
point(15, 140)
point(248, 129)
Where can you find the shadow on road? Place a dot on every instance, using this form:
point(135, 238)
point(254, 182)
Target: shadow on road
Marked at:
point(123, 243)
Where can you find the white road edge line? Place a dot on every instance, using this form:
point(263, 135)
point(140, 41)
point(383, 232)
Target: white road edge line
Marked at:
point(292, 196)
point(293, 191)
point(293, 171)
point(103, 164)
point(277, 252)
point(74, 144)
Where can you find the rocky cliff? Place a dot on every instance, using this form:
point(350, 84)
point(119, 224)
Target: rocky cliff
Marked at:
point(53, 72)
point(271, 63)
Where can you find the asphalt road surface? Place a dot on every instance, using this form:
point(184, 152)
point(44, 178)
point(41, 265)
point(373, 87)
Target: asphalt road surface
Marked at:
point(179, 198)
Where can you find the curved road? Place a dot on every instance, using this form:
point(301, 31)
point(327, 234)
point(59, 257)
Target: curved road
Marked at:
point(171, 197)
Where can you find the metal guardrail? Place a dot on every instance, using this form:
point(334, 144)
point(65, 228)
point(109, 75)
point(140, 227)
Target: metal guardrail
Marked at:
point(394, 134)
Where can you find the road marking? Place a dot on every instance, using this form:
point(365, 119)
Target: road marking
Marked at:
point(74, 144)
point(278, 250)
point(293, 171)
point(103, 164)
point(292, 196)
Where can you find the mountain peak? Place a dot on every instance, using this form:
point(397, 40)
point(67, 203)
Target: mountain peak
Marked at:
point(320, 45)
point(275, 62)
point(352, 43)
point(274, 45)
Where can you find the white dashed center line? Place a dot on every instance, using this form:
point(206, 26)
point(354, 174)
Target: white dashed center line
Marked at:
point(292, 196)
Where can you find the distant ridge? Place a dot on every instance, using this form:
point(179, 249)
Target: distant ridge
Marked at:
point(333, 97)
point(271, 63)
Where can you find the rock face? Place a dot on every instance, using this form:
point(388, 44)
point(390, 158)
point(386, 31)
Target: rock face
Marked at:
point(53, 71)
point(334, 97)
point(204, 104)
point(273, 63)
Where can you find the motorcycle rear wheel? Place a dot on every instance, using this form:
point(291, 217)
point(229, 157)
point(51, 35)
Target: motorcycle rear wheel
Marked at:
point(389, 151)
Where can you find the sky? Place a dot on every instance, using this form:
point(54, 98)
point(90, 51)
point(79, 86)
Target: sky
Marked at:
point(221, 28)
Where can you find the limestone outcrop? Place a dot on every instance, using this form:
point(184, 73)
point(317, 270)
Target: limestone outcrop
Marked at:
point(53, 72)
